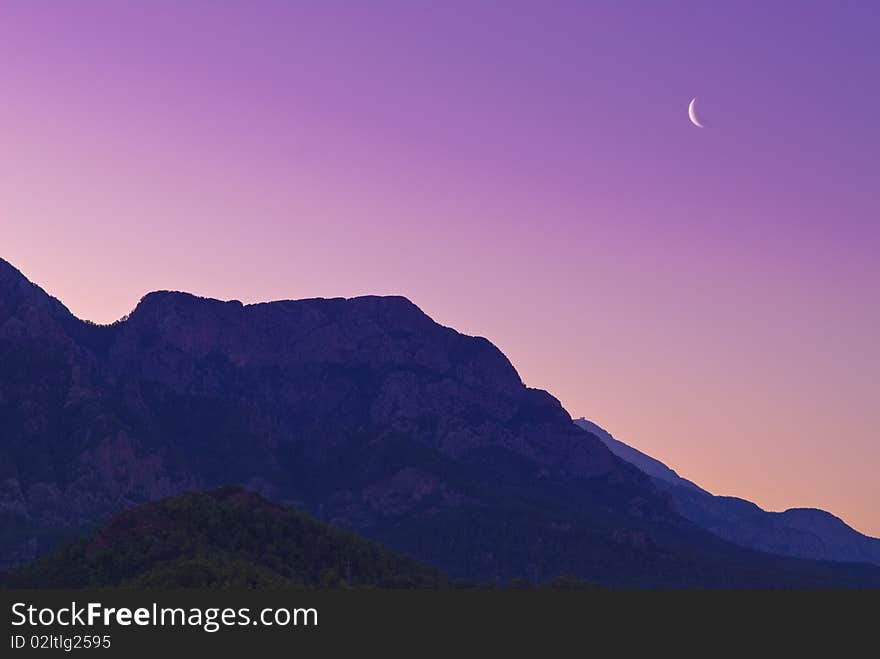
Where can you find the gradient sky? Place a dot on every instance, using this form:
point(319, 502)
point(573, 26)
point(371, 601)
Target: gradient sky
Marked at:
point(522, 171)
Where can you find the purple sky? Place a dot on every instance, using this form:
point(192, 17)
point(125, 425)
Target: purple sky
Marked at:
point(522, 171)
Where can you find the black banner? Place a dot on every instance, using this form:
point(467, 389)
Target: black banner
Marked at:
point(278, 623)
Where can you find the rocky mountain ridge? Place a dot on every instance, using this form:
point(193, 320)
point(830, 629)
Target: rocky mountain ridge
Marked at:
point(363, 411)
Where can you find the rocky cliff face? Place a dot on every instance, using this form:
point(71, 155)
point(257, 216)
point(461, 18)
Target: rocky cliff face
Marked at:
point(351, 364)
point(307, 401)
point(363, 411)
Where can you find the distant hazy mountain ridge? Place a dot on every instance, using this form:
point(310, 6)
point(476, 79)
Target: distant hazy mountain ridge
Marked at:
point(799, 532)
point(646, 463)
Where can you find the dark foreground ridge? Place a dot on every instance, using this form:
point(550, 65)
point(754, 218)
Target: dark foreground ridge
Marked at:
point(364, 412)
point(226, 538)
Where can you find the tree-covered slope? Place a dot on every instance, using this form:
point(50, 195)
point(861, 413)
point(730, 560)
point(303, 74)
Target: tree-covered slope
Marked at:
point(224, 538)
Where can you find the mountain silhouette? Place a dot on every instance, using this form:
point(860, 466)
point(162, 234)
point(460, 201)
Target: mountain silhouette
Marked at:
point(647, 464)
point(799, 532)
point(362, 411)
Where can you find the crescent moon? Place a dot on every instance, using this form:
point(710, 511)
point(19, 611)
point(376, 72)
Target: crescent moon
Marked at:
point(692, 113)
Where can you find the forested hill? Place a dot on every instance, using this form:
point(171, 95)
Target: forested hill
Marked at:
point(224, 538)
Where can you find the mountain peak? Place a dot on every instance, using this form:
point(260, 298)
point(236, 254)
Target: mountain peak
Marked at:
point(6, 265)
point(22, 299)
point(165, 301)
point(367, 330)
point(10, 277)
point(168, 300)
